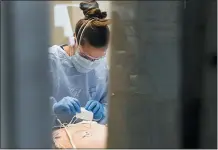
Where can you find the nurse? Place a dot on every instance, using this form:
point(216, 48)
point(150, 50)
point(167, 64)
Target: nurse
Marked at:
point(79, 70)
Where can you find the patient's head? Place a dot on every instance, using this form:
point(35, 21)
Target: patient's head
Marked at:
point(92, 32)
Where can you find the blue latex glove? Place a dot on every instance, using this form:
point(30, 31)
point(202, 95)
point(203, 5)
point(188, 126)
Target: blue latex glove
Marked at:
point(67, 105)
point(96, 107)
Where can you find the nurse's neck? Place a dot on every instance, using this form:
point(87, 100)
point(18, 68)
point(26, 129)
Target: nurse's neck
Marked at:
point(69, 50)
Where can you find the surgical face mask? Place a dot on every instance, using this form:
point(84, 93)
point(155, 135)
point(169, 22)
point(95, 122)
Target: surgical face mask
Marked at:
point(84, 65)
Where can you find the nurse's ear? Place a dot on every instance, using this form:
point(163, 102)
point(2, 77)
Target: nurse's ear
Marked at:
point(75, 40)
point(72, 46)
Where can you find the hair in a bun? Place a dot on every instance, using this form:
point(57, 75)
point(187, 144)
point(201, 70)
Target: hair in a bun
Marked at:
point(85, 5)
point(91, 10)
point(93, 28)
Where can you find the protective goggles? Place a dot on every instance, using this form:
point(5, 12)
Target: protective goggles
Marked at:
point(88, 57)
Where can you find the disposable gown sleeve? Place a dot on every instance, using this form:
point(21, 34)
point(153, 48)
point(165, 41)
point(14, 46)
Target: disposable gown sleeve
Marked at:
point(104, 102)
point(53, 80)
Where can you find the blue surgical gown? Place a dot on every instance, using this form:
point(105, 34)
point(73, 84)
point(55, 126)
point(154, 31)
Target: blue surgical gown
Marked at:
point(67, 81)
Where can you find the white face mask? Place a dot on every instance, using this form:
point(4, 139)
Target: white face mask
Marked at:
point(84, 65)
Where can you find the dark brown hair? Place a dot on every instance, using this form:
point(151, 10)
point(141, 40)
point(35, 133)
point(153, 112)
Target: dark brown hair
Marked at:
point(94, 26)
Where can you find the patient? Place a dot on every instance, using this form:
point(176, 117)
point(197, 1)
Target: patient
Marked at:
point(85, 134)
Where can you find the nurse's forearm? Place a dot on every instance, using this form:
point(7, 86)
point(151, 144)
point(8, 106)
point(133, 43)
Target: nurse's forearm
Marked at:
point(53, 115)
point(52, 102)
point(105, 110)
point(103, 120)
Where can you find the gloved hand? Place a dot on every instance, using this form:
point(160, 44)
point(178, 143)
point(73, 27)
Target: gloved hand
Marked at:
point(96, 107)
point(67, 105)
